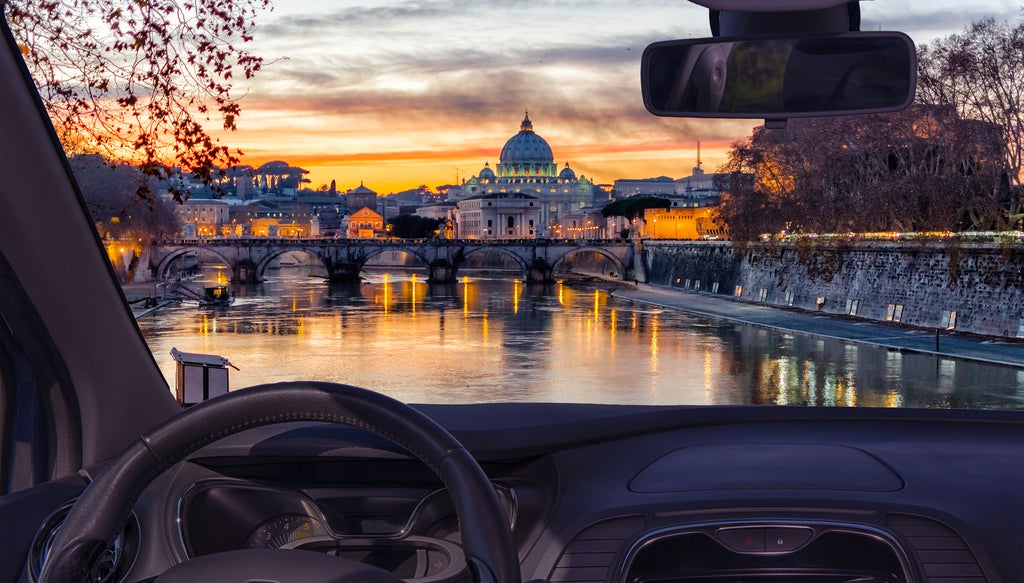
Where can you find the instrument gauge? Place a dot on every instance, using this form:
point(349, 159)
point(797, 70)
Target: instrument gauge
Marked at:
point(286, 530)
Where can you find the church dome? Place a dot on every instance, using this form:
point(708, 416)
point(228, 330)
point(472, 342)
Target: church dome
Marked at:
point(567, 173)
point(526, 147)
point(487, 172)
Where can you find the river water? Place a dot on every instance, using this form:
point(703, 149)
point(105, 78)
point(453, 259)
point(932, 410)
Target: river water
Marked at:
point(491, 338)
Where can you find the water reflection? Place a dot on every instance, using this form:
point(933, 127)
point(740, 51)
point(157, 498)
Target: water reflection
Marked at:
point(501, 339)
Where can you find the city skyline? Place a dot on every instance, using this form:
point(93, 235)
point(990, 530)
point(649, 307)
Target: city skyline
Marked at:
point(376, 92)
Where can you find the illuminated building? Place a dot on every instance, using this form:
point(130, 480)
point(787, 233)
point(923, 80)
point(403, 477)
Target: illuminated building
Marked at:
point(684, 223)
point(284, 219)
point(527, 167)
point(271, 227)
point(693, 213)
point(365, 224)
point(501, 215)
point(202, 218)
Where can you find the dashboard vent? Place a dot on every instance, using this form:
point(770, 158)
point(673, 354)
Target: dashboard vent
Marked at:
point(590, 554)
point(943, 554)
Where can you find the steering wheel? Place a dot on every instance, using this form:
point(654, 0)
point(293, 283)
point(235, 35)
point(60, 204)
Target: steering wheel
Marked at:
point(102, 509)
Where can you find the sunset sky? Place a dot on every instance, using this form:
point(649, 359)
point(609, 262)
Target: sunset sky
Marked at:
point(398, 93)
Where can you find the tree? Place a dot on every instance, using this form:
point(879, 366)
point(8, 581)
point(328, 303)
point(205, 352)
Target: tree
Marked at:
point(135, 80)
point(413, 226)
point(978, 73)
point(634, 206)
point(920, 169)
point(109, 192)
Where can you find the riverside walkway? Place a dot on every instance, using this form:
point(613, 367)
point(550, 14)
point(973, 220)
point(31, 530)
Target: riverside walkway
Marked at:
point(832, 326)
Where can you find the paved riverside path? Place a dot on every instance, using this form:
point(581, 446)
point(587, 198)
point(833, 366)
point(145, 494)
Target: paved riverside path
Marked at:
point(843, 328)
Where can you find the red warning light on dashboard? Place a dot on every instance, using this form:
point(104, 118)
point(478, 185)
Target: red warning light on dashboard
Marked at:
point(743, 539)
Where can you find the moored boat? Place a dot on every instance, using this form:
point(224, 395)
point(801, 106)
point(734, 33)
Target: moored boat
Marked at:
point(216, 295)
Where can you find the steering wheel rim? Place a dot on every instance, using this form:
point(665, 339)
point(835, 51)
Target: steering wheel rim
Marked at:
point(104, 506)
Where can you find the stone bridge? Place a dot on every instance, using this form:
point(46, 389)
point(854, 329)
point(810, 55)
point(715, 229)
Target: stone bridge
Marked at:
point(248, 258)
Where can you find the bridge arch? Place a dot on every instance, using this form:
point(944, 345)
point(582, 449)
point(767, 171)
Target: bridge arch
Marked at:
point(174, 255)
point(520, 261)
point(408, 250)
point(261, 266)
point(620, 266)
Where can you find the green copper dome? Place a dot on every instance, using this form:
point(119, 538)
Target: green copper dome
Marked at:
point(526, 147)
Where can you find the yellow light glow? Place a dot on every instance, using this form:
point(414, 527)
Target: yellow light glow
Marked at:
point(893, 400)
point(654, 343)
point(709, 375)
point(614, 317)
point(412, 279)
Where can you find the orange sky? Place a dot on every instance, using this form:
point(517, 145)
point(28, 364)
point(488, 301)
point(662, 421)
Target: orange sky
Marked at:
point(397, 94)
point(395, 169)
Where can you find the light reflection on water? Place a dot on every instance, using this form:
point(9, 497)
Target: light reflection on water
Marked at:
point(495, 339)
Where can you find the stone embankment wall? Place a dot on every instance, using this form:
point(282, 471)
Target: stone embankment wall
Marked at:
point(916, 283)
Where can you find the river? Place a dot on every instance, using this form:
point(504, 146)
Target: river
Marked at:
point(491, 338)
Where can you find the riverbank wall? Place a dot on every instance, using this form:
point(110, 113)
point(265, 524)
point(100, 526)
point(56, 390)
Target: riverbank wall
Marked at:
point(947, 285)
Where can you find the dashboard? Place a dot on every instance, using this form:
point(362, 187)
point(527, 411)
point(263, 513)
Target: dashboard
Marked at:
point(599, 494)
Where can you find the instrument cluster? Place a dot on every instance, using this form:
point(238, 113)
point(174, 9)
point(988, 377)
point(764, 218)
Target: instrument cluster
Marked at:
point(409, 531)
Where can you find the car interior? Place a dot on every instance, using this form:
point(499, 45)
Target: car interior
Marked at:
point(103, 477)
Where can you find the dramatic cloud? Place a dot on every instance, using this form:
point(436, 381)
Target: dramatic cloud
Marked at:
point(408, 92)
point(926, 21)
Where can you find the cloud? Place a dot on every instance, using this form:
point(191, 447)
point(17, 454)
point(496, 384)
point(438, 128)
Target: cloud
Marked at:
point(407, 85)
point(523, 15)
point(925, 22)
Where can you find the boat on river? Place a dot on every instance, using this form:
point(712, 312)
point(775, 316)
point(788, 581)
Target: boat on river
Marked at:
point(216, 296)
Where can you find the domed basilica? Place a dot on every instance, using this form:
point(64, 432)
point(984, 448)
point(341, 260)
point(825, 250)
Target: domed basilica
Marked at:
point(527, 195)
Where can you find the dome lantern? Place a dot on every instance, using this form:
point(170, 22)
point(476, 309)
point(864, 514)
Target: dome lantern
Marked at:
point(527, 125)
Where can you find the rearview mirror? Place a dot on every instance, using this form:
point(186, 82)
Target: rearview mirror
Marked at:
point(777, 78)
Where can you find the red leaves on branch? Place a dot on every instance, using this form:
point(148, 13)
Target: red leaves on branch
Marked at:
point(133, 80)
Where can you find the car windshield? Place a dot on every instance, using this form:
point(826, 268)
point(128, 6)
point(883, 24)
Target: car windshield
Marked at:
point(455, 202)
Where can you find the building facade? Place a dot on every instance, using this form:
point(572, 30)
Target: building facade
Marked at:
point(660, 186)
point(684, 222)
point(502, 215)
point(360, 197)
point(203, 218)
point(365, 224)
point(693, 212)
point(526, 167)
